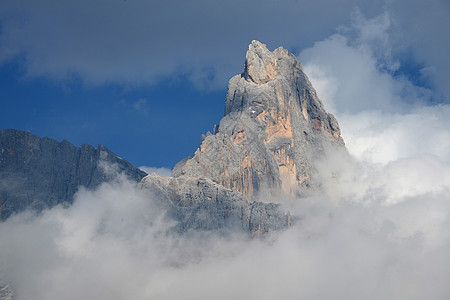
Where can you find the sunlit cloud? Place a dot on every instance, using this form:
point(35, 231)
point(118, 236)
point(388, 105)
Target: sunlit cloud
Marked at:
point(159, 171)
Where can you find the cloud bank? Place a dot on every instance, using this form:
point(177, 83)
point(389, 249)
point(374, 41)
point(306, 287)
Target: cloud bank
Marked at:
point(377, 230)
point(365, 239)
point(142, 42)
point(383, 116)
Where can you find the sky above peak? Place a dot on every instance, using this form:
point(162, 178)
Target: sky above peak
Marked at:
point(147, 78)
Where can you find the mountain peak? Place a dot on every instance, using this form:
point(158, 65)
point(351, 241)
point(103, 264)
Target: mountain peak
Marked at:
point(273, 130)
point(260, 64)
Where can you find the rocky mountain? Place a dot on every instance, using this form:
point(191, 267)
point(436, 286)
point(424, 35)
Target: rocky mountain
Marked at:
point(273, 130)
point(37, 173)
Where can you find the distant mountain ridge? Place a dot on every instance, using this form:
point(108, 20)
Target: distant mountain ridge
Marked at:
point(38, 173)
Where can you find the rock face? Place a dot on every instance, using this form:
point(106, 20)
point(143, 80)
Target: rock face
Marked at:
point(201, 204)
point(273, 129)
point(39, 173)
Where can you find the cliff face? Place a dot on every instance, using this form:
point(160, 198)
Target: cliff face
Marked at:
point(274, 127)
point(201, 204)
point(37, 173)
point(273, 130)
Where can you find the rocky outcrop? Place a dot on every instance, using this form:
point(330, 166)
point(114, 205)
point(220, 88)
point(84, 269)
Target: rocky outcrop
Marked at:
point(274, 127)
point(201, 204)
point(38, 173)
point(273, 130)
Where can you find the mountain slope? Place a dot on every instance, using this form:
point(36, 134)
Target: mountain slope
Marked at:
point(274, 129)
point(39, 172)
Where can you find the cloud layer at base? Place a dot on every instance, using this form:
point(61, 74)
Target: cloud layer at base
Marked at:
point(361, 239)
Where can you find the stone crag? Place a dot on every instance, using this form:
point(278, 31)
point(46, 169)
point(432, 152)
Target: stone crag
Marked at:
point(39, 173)
point(273, 129)
point(201, 204)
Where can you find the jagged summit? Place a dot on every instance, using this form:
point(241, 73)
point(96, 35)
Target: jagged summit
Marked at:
point(273, 129)
point(260, 64)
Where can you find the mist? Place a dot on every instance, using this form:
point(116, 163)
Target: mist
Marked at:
point(377, 229)
point(373, 233)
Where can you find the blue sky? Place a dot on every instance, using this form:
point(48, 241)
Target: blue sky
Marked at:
point(147, 78)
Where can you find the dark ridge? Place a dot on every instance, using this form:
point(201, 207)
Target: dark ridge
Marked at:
point(38, 173)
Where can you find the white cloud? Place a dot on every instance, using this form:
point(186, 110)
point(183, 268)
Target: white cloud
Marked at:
point(159, 171)
point(356, 83)
point(141, 106)
point(383, 137)
point(112, 243)
point(383, 117)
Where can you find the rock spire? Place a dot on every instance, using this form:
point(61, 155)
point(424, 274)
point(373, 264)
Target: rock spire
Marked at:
point(273, 129)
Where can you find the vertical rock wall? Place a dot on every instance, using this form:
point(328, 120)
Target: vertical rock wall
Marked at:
point(37, 173)
point(274, 127)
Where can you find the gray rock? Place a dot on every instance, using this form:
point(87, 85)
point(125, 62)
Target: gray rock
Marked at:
point(201, 204)
point(273, 130)
point(261, 65)
point(39, 173)
point(274, 127)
